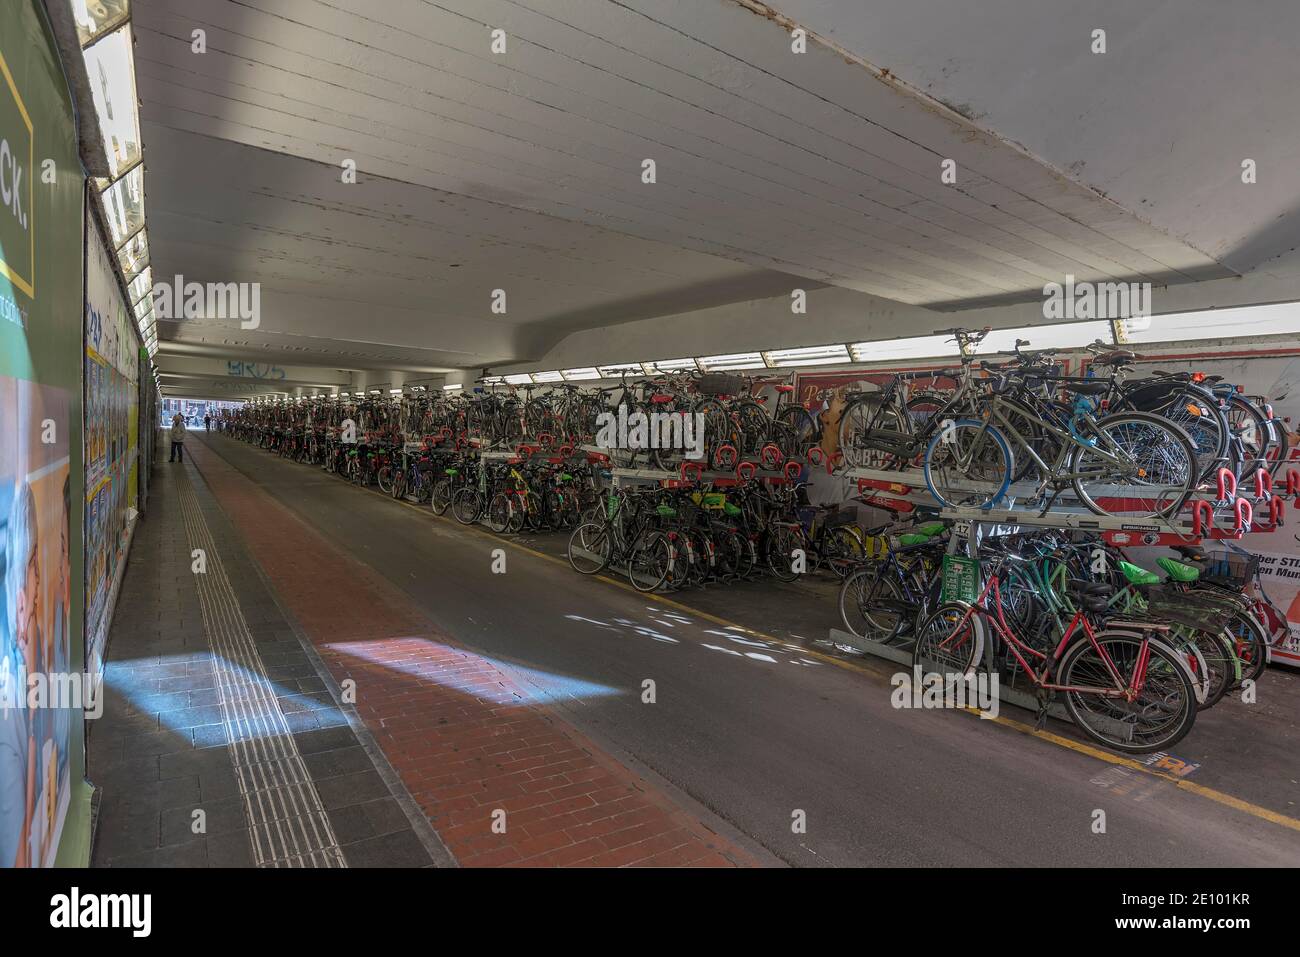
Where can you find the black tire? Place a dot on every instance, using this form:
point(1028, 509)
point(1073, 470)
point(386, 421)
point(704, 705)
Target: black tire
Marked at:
point(1163, 444)
point(1167, 700)
point(590, 548)
point(872, 605)
point(440, 496)
point(651, 562)
point(465, 505)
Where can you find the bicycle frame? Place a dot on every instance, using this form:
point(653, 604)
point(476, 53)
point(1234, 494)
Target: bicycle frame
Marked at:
point(1127, 690)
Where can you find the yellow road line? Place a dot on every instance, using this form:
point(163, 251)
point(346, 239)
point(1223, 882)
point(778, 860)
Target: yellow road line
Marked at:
point(1078, 747)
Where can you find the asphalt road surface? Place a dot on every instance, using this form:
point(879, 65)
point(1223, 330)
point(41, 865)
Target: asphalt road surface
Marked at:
point(758, 733)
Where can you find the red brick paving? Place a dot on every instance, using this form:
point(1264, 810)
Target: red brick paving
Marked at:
point(463, 737)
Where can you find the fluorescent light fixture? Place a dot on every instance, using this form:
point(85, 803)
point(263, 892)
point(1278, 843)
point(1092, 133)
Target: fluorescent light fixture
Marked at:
point(375, 392)
point(591, 372)
point(394, 391)
point(1272, 320)
point(110, 64)
point(454, 387)
point(107, 15)
point(548, 376)
point(492, 379)
point(668, 365)
point(914, 347)
point(1057, 335)
point(124, 206)
point(619, 369)
point(519, 378)
point(345, 394)
point(738, 360)
point(808, 356)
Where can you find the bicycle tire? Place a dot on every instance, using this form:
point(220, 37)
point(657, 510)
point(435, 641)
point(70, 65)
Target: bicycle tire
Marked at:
point(994, 469)
point(1173, 694)
point(593, 542)
point(465, 505)
point(950, 641)
point(1159, 439)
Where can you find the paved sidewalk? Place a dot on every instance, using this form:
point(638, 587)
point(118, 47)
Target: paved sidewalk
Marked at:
point(502, 778)
point(213, 705)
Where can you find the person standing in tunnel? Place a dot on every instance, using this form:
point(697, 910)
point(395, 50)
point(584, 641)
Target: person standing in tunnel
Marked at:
point(178, 438)
point(207, 423)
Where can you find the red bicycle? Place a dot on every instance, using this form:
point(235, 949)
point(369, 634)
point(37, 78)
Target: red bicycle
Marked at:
point(1124, 687)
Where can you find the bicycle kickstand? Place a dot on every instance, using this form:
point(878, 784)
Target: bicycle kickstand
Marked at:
point(1044, 702)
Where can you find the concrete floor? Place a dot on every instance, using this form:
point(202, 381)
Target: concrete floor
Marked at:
point(752, 730)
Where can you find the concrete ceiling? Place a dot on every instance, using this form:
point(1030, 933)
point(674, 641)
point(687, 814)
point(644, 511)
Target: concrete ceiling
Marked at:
point(522, 171)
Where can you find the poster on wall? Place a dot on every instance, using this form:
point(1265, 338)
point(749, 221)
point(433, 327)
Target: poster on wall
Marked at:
point(40, 443)
point(112, 363)
point(35, 638)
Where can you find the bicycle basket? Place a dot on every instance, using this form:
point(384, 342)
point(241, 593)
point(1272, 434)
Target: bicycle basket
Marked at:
point(721, 383)
point(1173, 605)
point(1233, 568)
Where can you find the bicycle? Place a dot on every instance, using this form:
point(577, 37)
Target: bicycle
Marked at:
point(1124, 688)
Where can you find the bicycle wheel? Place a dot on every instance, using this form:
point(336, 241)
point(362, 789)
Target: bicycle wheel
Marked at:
point(728, 553)
point(499, 513)
point(1163, 710)
point(1253, 433)
point(441, 495)
point(843, 549)
point(873, 605)
point(968, 464)
point(856, 419)
point(1222, 667)
point(1140, 466)
point(385, 479)
point(950, 642)
point(589, 549)
point(465, 506)
point(1193, 409)
point(1279, 446)
point(780, 546)
point(1250, 644)
point(651, 561)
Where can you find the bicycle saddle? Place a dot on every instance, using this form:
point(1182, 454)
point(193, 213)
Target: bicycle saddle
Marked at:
point(1177, 571)
point(1138, 576)
point(1120, 357)
point(1085, 388)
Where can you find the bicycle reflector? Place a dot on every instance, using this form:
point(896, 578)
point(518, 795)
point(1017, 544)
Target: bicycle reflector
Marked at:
point(1198, 376)
point(1193, 409)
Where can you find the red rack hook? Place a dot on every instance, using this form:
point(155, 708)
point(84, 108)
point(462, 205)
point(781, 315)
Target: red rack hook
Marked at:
point(771, 455)
point(1277, 511)
point(816, 455)
point(731, 455)
point(1201, 508)
point(1263, 483)
point(792, 470)
point(1227, 484)
point(746, 471)
point(695, 467)
point(1244, 512)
